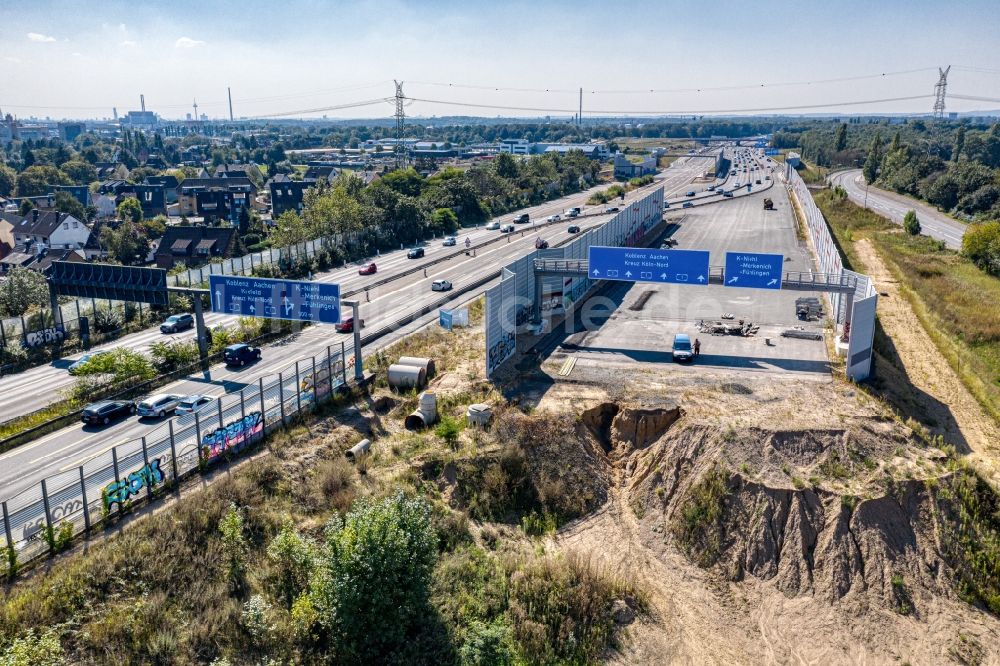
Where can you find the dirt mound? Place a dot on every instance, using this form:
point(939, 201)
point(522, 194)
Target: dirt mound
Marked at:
point(769, 524)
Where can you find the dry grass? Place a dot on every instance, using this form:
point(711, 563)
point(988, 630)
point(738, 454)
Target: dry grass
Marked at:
point(948, 294)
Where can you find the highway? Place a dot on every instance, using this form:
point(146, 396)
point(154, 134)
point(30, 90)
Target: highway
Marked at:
point(35, 388)
point(894, 207)
point(65, 449)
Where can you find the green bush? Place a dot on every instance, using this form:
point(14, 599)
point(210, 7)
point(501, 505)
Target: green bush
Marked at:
point(700, 522)
point(981, 245)
point(911, 224)
point(170, 356)
point(107, 320)
point(449, 429)
point(293, 559)
point(370, 589)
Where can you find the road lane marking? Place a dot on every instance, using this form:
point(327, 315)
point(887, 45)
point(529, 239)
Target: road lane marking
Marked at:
point(84, 461)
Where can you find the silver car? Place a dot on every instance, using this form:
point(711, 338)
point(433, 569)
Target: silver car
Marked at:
point(192, 403)
point(159, 405)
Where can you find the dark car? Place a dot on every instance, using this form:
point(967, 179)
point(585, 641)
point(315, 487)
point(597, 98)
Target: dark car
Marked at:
point(368, 269)
point(612, 209)
point(523, 218)
point(541, 244)
point(688, 204)
point(415, 253)
point(347, 325)
point(240, 354)
point(727, 194)
point(177, 323)
point(574, 229)
point(103, 413)
point(689, 194)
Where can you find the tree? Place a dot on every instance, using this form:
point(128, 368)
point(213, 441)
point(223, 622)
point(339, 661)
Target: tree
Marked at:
point(36, 180)
point(80, 172)
point(506, 166)
point(8, 178)
point(293, 558)
point(911, 224)
point(874, 158)
point(444, 220)
point(126, 244)
point(22, 289)
point(26, 207)
point(370, 589)
point(959, 143)
point(897, 142)
point(67, 203)
point(130, 210)
point(155, 227)
point(981, 245)
point(841, 141)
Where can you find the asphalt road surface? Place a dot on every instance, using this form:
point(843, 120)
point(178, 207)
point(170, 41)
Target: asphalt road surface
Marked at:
point(894, 207)
point(65, 449)
point(35, 388)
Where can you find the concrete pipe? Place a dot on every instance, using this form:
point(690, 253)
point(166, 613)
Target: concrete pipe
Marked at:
point(415, 421)
point(359, 449)
point(404, 377)
point(426, 363)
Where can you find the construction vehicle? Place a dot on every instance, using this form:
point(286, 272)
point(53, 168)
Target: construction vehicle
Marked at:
point(768, 204)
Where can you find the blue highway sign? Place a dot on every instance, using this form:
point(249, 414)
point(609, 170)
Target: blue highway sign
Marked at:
point(641, 264)
point(759, 271)
point(296, 300)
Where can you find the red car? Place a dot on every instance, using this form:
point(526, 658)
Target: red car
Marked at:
point(368, 269)
point(347, 325)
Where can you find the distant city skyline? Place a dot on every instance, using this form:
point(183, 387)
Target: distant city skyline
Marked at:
point(304, 55)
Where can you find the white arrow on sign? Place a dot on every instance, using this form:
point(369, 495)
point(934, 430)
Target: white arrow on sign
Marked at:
point(733, 280)
point(701, 278)
point(663, 276)
point(773, 281)
point(628, 273)
point(288, 306)
point(253, 309)
point(597, 272)
point(218, 299)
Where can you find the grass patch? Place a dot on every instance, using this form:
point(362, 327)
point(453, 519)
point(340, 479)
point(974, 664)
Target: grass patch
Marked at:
point(968, 513)
point(698, 529)
point(529, 608)
point(947, 292)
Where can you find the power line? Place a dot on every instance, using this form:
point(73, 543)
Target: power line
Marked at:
point(322, 109)
point(619, 112)
point(680, 90)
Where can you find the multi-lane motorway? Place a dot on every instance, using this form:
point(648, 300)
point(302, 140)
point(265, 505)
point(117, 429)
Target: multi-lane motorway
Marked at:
point(69, 447)
point(894, 206)
point(35, 388)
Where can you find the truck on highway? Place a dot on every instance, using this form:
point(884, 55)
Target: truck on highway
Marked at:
point(768, 204)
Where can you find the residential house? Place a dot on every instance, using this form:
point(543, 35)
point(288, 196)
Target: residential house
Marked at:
point(287, 194)
point(80, 192)
point(195, 245)
point(320, 172)
point(37, 257)
point(111, 171)
point(105, 205)
point(242, 192)
point(169, 184)
point(152, 198)
point(53, 229)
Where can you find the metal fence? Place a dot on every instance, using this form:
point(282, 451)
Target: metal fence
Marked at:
point(82, 498)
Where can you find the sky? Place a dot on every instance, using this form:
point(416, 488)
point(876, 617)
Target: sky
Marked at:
point(78, 59)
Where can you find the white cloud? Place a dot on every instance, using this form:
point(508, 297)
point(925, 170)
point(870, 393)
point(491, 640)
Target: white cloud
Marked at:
point(188, 43)
point(77, 54)
point(129, 43)
point(39, 37)
point(12, 59)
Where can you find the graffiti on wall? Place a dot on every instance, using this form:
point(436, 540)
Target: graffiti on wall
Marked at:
point(501, 351)
point(45, 336)
point(118, 492)
point(233, 437)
